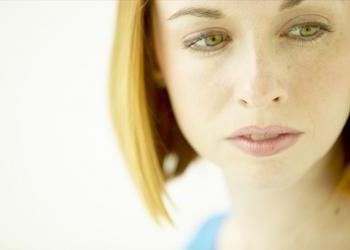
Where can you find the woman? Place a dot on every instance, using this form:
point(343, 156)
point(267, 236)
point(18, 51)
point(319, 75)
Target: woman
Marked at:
point(280, 69)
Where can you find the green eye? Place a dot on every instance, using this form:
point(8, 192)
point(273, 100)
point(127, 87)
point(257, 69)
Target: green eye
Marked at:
point(306, 30)
point(213, 40)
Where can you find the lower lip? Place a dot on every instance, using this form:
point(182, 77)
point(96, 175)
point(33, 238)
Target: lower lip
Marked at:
point(265, 147)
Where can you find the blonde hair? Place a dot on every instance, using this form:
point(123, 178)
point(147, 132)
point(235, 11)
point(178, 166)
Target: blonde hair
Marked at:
point(141, 112)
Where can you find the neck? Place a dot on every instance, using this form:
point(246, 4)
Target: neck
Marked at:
point(263, 216)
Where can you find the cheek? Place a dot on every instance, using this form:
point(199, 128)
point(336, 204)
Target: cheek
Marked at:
point(323, 82)
point(323, 97)
point(196, 102)
point(194, 91)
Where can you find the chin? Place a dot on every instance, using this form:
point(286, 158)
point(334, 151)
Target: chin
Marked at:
point(272, 179)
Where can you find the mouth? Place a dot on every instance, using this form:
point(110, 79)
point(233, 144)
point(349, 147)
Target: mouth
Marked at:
point(265, 145)
point(261, 137)
point(256, 133)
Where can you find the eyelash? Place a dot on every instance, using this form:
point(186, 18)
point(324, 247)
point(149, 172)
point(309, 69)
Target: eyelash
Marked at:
point(226, 38)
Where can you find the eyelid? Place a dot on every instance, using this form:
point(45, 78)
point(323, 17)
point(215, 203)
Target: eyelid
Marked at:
point(324, 27)
point(300, 20)
point(203, 32)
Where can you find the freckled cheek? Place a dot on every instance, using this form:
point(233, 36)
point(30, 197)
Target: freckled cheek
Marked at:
point(332, 79)
point(192, 95)
point(321, 86)
point(340, 82)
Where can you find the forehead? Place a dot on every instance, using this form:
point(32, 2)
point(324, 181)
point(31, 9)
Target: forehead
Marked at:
point(173, 9)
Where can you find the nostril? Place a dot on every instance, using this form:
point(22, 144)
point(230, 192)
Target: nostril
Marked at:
point(243, 101)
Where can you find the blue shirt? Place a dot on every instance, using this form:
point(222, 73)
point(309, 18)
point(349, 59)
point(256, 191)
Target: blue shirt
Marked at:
point(206, 235)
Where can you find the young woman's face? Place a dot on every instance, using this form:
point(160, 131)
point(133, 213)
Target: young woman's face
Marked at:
point(260, 67)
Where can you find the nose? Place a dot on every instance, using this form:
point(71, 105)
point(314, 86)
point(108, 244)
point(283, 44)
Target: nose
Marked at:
point(261, 84)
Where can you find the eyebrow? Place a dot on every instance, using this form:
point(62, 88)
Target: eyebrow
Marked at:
point(217, 14)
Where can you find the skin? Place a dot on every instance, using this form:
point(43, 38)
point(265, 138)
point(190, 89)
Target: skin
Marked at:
point(263, 77)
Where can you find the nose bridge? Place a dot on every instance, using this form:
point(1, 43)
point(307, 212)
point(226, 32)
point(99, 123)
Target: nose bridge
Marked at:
point(260, 58)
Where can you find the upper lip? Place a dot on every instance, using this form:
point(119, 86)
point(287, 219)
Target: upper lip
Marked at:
point(271, 130)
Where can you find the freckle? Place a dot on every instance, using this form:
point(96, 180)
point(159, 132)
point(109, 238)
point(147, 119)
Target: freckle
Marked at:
point(336, 210)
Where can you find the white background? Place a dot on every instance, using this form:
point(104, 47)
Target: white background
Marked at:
point(63, 183)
